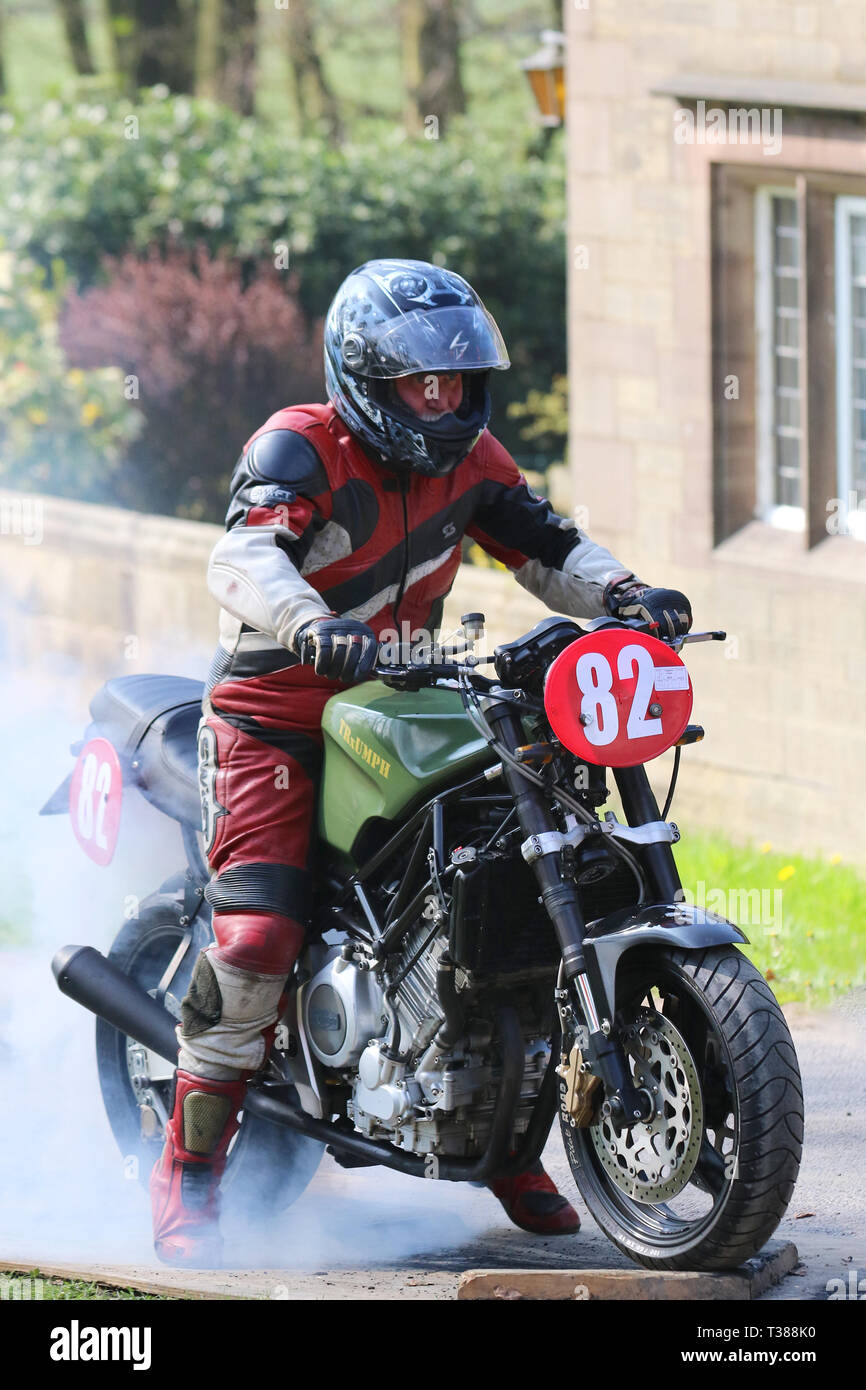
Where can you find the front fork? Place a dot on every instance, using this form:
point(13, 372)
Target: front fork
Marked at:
point(627, 1104)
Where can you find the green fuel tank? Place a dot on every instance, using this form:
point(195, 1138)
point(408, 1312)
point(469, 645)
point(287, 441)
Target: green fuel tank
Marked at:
point(386, 748)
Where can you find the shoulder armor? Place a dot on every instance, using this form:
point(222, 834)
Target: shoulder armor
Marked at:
point(284, 456)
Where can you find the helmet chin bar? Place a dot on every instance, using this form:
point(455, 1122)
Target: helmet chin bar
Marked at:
point(446, 441)
point(469, 418)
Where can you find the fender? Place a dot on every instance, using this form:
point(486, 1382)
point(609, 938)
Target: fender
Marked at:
point(658, 924)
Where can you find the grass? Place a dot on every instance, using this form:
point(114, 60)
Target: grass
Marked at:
point(77, 1290)
point(805, 916)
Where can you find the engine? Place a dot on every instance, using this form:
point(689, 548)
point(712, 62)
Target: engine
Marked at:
point(421, 1096)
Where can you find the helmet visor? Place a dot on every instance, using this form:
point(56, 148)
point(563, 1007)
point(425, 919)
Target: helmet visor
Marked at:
point(454, 338)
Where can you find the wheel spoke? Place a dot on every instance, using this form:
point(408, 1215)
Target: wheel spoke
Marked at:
point(709, 1174)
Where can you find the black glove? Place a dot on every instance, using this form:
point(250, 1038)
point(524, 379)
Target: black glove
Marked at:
point(339, 648)
point(668, 608)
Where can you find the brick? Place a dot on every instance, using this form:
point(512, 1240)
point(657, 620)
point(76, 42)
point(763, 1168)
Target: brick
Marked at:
point(601, 68)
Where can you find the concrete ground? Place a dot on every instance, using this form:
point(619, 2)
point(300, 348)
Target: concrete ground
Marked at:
point(373, 1234)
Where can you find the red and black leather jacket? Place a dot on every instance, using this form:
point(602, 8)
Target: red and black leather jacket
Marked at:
point(315, 526)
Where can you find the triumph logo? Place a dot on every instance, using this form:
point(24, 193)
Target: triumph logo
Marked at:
point(376, 761)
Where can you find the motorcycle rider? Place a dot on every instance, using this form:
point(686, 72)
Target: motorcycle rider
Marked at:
point(345, 524)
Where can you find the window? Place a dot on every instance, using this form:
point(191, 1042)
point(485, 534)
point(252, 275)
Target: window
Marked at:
point(789, 351)
point(780, 367)
point(851, 362)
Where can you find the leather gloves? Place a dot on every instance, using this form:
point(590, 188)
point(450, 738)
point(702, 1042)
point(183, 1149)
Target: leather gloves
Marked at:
point(339, 648)
point(668, 608)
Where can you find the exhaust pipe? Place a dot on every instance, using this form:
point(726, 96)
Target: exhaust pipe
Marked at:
point(85, 975)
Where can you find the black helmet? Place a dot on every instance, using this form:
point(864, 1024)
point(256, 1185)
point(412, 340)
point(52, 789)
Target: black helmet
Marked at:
point(394, 318)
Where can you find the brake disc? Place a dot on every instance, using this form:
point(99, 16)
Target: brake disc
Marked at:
point(653, 1160)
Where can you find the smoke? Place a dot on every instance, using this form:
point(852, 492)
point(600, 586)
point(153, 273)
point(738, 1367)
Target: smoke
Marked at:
point(65, 1191)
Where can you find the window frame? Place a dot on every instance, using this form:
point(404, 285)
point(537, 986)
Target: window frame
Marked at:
point(846, 207)
point(783, 516)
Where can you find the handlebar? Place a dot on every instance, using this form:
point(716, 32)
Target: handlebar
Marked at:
point(419, 673)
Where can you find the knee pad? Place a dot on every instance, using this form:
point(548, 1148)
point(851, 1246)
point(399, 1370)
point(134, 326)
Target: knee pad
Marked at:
point(265, 942)
point(225, 1017)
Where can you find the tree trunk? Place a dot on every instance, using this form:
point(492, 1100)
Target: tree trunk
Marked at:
point(314, 97)
point(2, 64)
point(411, 20)
point(154, 42)
point(76, 36)
point(440, 91)
point(237, 68)
point(123, 41)
point(207, 45)
point(165, 44)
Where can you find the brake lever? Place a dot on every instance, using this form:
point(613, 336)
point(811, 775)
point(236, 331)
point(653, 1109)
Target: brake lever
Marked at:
point(715, 636)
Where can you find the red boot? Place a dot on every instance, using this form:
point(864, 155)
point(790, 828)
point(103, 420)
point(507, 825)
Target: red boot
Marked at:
point(532, 1202)
point(184, 1185)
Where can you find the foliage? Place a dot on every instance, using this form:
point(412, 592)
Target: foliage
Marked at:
point(803, 916)
point(212, 354)
point(62, 430)
point(81, 179)
point(546, 414)
point(360, 46)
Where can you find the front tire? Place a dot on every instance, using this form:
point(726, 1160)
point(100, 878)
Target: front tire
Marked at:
point(268, 1165)
point(736, 1080)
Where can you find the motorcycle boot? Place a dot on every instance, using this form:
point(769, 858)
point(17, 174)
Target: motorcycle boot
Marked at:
point(228, 1017)
point(184, 1185)
point(533, 1203)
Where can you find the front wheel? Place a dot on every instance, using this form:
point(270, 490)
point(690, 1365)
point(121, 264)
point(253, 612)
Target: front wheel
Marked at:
point(704, 1183)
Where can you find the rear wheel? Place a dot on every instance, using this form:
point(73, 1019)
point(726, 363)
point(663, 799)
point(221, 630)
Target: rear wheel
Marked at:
point(704, 1184)
point(268, 1166)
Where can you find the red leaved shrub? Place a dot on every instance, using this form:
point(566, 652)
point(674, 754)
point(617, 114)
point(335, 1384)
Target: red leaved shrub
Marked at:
point(211, 351)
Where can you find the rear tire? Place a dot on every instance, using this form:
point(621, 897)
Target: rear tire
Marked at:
point(751, 1107)
point(268, 1165)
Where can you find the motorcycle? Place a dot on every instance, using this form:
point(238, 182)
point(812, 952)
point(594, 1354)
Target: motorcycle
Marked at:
point(488, 947)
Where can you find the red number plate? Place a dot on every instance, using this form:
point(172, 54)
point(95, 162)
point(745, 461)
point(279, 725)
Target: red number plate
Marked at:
point(95, 799)
point(617, 698)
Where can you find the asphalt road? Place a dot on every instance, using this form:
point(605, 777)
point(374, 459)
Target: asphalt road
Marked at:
point(374, 1234)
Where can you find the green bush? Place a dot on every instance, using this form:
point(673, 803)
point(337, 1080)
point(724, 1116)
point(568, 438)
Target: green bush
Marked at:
point(62, 430)
point(79, 180)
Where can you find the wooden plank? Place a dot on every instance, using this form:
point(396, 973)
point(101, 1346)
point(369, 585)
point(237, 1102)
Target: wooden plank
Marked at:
point(819, 249)
point(749, 1281)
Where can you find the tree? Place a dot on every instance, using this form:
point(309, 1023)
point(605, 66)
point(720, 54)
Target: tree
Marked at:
point(225, 56)
point(238, 55)
point(316, 101)
point(154, 42)
point(440, 90)
point(411, 19)
point(72, 12)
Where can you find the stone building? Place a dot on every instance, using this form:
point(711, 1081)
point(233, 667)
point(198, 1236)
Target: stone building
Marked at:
point(717, 348)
